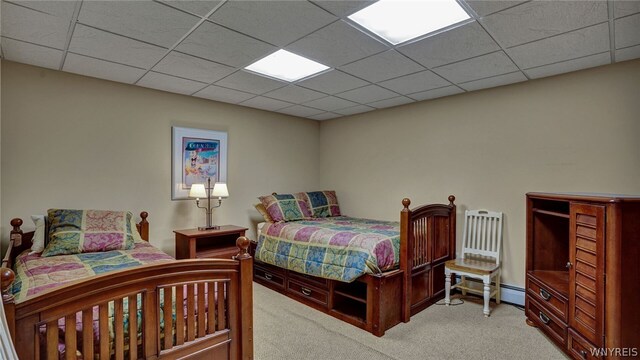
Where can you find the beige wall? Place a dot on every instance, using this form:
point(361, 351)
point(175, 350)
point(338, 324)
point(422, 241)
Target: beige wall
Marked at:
point(575, 132)
point(75, 142)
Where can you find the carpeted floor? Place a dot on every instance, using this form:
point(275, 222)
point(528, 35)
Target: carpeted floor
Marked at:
point(285, 329)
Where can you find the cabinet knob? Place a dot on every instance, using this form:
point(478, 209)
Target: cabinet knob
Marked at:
point(569, 264)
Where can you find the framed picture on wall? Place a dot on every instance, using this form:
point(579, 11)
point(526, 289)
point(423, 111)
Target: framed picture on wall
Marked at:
point(197, 155)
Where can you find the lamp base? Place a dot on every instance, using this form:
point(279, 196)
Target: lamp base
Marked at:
point(213, 227)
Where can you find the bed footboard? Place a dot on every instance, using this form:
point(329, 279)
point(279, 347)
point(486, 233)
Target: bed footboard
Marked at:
point(427, 241)
point(183, 309)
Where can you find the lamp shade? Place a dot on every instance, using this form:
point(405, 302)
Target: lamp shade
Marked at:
point(197, 191)
point(220, 190)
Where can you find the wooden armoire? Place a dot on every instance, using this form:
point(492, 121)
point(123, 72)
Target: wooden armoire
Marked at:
point(583, 272)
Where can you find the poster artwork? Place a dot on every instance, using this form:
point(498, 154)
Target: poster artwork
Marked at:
point(201, 160)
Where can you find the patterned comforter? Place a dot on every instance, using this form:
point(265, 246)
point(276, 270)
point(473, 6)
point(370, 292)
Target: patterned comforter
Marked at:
point(35, 274)
point(339, 248)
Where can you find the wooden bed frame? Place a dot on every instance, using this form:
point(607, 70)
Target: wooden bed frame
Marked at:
point(377, 302)
point(207, 327)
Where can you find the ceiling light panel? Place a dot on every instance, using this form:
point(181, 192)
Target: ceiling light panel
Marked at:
point(287, 66)
point(400, 20)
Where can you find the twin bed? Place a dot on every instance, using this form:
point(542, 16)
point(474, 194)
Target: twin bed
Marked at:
point(82, 306)
point(372, 274)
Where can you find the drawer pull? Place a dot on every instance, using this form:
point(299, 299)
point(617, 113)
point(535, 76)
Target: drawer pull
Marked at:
point(268, 276)
point(305, 291)
point(545, 295)
point(583, 354)
point(544, 318)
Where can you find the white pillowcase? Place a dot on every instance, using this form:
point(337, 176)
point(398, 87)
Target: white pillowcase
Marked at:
point(37, 243)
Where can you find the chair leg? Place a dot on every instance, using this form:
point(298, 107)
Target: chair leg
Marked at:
point(498, 288)
point(487, 294)
point(463, 282)
point(447, 286)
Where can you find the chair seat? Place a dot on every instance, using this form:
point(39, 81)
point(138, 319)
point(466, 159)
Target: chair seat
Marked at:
point(473, 266)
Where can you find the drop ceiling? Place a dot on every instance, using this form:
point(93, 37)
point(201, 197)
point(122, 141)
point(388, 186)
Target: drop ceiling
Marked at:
point(200, 48)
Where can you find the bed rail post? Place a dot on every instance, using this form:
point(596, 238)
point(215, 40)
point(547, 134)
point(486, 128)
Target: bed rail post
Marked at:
point(245, 346)
point(405, 258)
point(143, 226)
point(7, 277)
point(452, 226)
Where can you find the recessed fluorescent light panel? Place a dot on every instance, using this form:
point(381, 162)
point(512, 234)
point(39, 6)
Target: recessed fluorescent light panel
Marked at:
point(400, 20)
point(286, 66)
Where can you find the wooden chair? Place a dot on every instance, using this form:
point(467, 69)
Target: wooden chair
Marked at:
point(480, 258)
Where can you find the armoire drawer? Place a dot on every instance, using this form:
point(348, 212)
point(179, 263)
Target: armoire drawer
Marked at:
point(547, 321)
point(549, 298)
point(272, 276)
point(579, 347)
point(311, 293)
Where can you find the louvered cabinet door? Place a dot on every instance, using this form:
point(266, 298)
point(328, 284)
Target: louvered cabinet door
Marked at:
point(586, 273)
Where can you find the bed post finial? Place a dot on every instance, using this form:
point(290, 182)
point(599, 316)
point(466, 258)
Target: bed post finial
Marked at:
point(143, 226)
point(243, 244)
point(406, 202)
point(451, 200)
point(6, 279)
point(16, 233)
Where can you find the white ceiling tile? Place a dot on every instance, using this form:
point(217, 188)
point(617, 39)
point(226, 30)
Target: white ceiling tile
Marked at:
point(61, 9)
point(571, 45)
point(101, 69)
point(413, 83)
point(248, 82)
point(628, 53)
point(261, 102)
point(336, 45)
point(625, 7)
point(239, 50)
point(299, 110)
point(486, 7)
point(343, 8)
point(33, 26)
point(627, 31)
point(495, 81)
point(436, 93)
point(570, 65)
point(457, 44)
point(325, 116)
point(330, 103)
point(26, 53)
point(190, 67)
point(383, 66)
point(354, 110)
point(218, 93)
point(104, 45)
point(367, 94)
point(170, 83)
point(539, 19)
point(294, 94)
point(200, 8)
point(400, 100)
point(480, 67)
point(141, 20)
point(276, 22)
point(333, 82)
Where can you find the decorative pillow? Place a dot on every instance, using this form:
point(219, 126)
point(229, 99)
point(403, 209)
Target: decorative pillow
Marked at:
point(323, 203)
point(82, 231)
point(286, 207)
point(37, 242)
point(263, 211)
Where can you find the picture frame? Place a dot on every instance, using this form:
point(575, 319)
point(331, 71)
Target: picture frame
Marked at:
point(197, 154)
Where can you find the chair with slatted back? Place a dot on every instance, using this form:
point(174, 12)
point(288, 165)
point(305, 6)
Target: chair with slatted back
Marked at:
point(480, 257)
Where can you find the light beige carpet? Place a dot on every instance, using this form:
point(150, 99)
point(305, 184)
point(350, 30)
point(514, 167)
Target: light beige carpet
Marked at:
point(285, 329)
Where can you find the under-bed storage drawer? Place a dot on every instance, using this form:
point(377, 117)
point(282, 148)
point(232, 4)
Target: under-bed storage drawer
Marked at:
point(273, 276)
point(308, 279)
point(547, 321)
point(308, 292)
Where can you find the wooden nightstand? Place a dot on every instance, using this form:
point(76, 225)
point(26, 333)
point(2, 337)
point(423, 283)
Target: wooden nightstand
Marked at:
point(215, 243)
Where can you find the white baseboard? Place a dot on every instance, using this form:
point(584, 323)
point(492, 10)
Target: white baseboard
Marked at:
point(510, 294)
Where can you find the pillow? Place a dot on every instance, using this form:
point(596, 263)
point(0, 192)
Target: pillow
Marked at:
point(82, 231)
point(323, 203)
point(286, 207)
point(263, 211)
point(37, 242)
